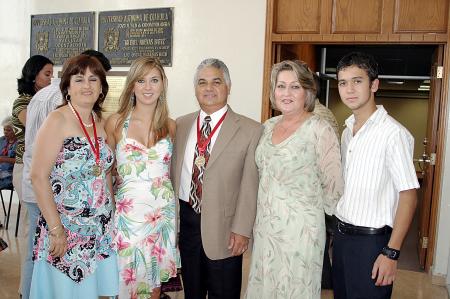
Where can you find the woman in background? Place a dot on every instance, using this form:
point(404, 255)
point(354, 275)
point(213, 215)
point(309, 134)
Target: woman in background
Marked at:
point(36, 74)
point(299, 166)
point(8, 144)
point(141, 133)
point(74, 256)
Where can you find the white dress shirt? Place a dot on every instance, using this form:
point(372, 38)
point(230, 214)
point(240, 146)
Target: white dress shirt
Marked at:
point(43, 102)
point(377, 163)
point(188, 160)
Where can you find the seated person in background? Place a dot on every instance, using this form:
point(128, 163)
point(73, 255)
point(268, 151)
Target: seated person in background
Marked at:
point(8, 144)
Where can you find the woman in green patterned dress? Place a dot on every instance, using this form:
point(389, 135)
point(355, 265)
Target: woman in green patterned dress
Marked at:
point(300, 177)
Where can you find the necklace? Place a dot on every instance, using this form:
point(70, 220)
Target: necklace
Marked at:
point(77, 116)
point(202, 143)
point(96, 168)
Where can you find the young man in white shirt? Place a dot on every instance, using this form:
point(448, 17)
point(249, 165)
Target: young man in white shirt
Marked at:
point(379, 200)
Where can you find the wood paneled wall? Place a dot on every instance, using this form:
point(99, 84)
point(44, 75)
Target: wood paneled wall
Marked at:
point(360, 20)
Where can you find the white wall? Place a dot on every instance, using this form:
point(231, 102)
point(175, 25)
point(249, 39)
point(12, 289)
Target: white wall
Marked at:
point(230, 30)
point(14, 49)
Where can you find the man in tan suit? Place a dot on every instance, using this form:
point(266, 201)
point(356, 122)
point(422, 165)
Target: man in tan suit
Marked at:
point(215, 177)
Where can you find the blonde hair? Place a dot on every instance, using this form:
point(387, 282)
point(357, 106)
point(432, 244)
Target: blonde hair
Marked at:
point(304, 76)
point(138, 69)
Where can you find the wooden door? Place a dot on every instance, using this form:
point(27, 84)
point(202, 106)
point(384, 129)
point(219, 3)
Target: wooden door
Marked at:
point(429, 157)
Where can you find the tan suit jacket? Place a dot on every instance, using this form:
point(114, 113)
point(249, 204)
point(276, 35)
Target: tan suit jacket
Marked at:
point(230, 182)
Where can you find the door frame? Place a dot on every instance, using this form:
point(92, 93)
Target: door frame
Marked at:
point(270, 58)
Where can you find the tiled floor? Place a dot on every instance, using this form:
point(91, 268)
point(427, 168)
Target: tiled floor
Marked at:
point(409, 284)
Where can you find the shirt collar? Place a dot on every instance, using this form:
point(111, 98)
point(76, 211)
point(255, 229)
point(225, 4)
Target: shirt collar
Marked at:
point(376, 117)
point(215, 117)
point(55, 80)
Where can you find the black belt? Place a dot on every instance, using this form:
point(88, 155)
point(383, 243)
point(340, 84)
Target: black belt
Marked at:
point(349, 229)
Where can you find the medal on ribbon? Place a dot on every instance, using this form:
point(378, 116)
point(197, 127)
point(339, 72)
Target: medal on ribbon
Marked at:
point(202, 142)
point(96, 168)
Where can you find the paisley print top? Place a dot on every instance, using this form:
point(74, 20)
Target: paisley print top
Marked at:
point(85, 207)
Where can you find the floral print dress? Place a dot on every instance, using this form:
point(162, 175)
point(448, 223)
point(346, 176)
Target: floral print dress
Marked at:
point(85, 207)
point(145, 216)
point(300, 179)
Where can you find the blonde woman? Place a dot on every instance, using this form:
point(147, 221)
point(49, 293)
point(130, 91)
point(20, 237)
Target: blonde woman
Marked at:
point(299, 168)
point(141, 134)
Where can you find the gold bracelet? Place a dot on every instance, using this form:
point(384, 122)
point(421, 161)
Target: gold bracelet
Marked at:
point(55, 234)
point(54, 228)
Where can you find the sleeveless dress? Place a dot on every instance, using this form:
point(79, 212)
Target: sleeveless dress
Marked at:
point(145, 216)
point(86, 211)
point(300, 178)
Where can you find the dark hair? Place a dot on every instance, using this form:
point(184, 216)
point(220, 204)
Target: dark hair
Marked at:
point(101, 57)
point(78, 65)
point(34, 64)
point(362, 60)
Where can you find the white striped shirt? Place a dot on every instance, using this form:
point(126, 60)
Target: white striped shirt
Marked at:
point(43, 102)
point(377, 165)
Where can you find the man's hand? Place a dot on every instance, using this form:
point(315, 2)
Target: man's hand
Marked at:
point(384, 270)
point(238, 244)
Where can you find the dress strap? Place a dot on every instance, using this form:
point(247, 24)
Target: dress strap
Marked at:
point(125, 126)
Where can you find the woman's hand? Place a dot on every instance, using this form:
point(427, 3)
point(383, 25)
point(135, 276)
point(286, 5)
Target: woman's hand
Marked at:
point(58, 242)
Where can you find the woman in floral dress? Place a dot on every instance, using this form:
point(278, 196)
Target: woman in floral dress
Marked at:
point(300, 177)
point(141, 133)
point(73, 251)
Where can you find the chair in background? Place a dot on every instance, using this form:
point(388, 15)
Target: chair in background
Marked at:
point(11, 189)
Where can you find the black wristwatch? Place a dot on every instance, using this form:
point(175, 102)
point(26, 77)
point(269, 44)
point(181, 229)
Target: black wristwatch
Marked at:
point(391, 253)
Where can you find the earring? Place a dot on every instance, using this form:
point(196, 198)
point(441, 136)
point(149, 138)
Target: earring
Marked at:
point(133, 98)
point(101, 96)
point(67, 97)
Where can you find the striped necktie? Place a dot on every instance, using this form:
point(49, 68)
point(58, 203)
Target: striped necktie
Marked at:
point(198, 167)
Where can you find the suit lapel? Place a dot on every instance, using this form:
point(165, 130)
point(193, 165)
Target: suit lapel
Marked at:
point(229, 128)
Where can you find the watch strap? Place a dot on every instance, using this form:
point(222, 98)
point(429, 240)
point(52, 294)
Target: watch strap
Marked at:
point(390, 253)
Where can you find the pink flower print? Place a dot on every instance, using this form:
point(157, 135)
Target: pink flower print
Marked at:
point(129, 276)
point(173, 269)
point(124, 205)
point(151, 240)
point(157, 183)
point(158, 252)
point(166, 158)
point(131, 148)
point(121, 244)
point(153, 218)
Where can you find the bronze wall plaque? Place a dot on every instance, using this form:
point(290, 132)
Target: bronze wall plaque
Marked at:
point(126, 35)
point(60, 36)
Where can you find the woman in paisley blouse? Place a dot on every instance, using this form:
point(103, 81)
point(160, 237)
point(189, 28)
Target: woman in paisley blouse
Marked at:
point(299, 167)
point(73, 252)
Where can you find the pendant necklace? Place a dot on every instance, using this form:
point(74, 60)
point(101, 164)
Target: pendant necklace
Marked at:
point(75, 113)
point(202, 143)
point(96, 168)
